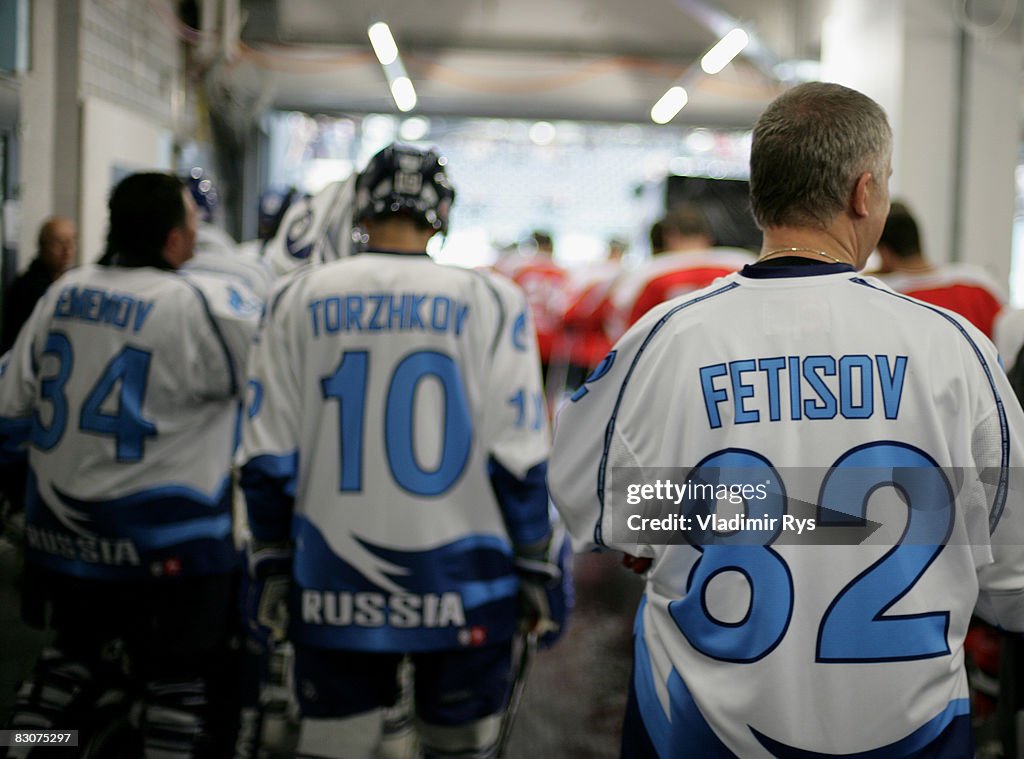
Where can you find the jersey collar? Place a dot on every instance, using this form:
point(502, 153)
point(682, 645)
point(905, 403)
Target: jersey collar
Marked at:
point(378, 251)
point(793, 266)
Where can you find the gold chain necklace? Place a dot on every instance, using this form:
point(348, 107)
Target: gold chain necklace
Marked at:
point(771, 253)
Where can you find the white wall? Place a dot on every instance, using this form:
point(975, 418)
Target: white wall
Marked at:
point(906, 55)
point(115, 141)
point(38, 103)
point(104, 91)
point(993, 139)
point(130, 55)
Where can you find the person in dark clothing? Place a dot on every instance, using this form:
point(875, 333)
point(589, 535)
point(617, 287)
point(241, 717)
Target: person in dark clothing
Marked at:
point(56, 253)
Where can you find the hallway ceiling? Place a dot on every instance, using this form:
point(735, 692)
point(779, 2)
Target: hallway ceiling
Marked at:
point(600, 60)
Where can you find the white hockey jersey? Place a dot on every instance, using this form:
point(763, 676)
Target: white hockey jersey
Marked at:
point(131, 378)
point(220, 257)
point(840, 401)
point(314, 230)
point(396, 430)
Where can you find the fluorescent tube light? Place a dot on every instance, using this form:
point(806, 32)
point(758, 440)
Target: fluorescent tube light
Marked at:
point(669, 105)
point(403, 93)
point(718, 57)
point(383, 43)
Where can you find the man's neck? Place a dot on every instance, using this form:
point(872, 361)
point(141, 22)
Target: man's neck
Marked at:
point(398, 237)
point(810, 243)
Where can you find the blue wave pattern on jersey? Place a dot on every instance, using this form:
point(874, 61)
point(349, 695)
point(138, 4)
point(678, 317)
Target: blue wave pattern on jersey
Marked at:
point(686, 733)
point(171, 530)
point(946, 736)
point(458, 594)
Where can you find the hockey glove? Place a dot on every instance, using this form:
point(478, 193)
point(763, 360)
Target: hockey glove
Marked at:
point(265, 592)
point(546, 589)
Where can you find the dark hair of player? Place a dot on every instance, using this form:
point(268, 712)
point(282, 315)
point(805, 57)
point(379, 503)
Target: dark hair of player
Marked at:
point(900, 234)
point(144, 208)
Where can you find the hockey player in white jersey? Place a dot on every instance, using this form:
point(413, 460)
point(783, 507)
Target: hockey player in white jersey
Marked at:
point(130, 374)
point(395, 449)
point(217, 255)
point(831, 410)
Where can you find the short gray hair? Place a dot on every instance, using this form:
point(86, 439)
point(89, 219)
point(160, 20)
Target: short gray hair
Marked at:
point(809, 147)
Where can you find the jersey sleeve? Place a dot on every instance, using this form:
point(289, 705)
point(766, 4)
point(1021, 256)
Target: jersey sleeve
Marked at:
point(589, 443)
point(997, 446)
point(18, 376)
point(18, 385)
point(231, 313)
point(515, 421)
point(269, 454)
point(1008, 334)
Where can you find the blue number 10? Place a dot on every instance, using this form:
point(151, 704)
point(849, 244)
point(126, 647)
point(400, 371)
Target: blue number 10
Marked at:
point(348, 385)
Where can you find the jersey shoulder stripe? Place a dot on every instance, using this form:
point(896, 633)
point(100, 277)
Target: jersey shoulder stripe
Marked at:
point(501, 308)
point(218, 334)
point(1002, 489)
point(610, 429)
point(288, 281)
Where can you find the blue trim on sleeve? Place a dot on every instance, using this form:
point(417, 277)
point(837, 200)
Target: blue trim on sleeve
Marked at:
point(269, 486)
point(501, 310)
point(295, 276)
point(610, 429)
point(1002, 489)
point(523, 503)
point(14, 435)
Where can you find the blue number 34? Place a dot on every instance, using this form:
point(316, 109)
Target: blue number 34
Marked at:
point(857, 625)
point(125, 377)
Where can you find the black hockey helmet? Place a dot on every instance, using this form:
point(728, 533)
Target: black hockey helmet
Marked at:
point(204, 193)
point(403, 179)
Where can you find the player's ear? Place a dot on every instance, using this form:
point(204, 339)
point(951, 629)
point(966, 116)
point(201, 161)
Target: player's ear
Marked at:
point(174, 252)
point(861, 194)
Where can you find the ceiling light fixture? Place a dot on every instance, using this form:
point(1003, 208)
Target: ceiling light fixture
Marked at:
point(383, 43)
point(386, 50)
point(669, 105)
point(718, 57)
point(403, 93)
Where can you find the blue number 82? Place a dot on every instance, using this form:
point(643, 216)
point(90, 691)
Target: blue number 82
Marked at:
point(856, 626)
